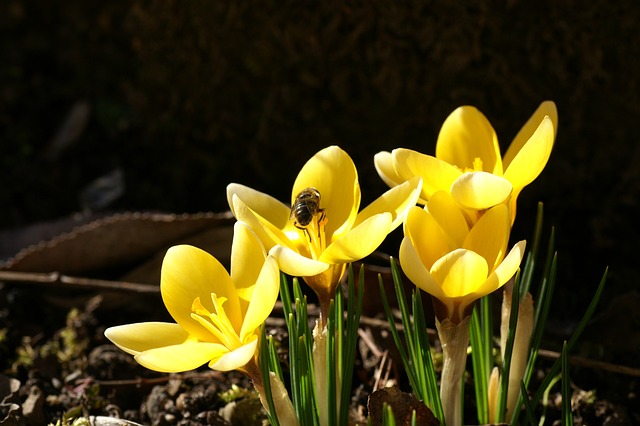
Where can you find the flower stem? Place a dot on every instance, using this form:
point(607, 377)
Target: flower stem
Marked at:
point(520, 354)
point(454, 338)
point(285, 413)
point(320, 372)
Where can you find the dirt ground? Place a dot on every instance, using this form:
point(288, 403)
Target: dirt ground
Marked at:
point(56, 362)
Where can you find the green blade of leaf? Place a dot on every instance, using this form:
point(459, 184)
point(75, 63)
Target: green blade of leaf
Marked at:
point(567, 414)
point(527, 406)
point(481, 380)
point(575, 336)
point(506, 362)
point(406, 362)
point(354, 312)
point(266, 381)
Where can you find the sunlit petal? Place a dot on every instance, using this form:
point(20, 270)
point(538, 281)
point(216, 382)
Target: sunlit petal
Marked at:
point(293, 263)
point(360, 241)
point(235, 359)
point(383, 162)
point(460, 273)
point(449, 216)
point(188, 273)
point(179, 358)
point(332, 172)
point(436, 174)
point(490, 235)
point(427, 236)
point(263, 298)
point(503, 273)
point(507, 269)
point(547, 108)
point(530, 160)
point(480, 190)
point(465, 136)
point(274, 211)
point(140, 337)
point(416, 271)
point(246, 262)
point(397, 201)
point(269, 234)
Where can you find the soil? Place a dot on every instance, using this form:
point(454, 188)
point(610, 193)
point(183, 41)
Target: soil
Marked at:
point(57, 364)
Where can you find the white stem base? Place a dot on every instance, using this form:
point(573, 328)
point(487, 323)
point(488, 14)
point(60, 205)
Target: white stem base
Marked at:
point(455, 341)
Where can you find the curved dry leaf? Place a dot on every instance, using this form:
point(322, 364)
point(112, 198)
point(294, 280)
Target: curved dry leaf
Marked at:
point(119, 240)
point(402, 404)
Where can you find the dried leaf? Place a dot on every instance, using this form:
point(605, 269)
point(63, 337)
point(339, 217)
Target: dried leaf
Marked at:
point(402, 404)
point(119, 240)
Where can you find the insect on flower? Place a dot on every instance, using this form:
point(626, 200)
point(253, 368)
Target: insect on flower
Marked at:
point(305, 208)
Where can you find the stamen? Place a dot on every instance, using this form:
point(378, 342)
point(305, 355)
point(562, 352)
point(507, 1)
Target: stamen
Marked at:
point(218, 323)
point(316, 234)
point(477, 164)
point(211, 329)
point(220, 319)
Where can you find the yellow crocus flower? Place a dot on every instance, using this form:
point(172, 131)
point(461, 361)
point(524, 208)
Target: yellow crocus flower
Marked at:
point(218, 316)
point(454, 262)
point(330, 230)
point(468, 163)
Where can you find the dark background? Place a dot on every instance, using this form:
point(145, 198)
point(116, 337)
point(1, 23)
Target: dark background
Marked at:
point(186, 97)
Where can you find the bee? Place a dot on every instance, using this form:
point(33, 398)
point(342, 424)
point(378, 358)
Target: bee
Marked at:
point(305, 207)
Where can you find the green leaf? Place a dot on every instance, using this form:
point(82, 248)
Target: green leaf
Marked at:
point(527, 406)
point(354, 312)
point(264, 359)
point(567, 414)
point(414, 350)
point(331, 365)
point(506, 362)
point(574, 337)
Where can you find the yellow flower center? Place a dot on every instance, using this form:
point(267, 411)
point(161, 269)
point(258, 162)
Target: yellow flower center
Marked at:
point(217, 323)
point(476, 166)
point(316, 235)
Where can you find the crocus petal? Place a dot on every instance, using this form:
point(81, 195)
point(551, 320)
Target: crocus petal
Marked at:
point(293, 263)
point(466, 136)
point(427, 236)
point(332, 172)
point(179, 358)
point(267, 232)
point(508, 267)
point(460, 273)
point(360, 241)
point(436, 174)
point(480, 190)
point(188, 273)
point(490, 235)
point(274, 211)
point(397, 201)
point(416, 271)
point(449, 216)
point(140, 337)
point(263, 298)
point(247, 255)
point(530, 160)
point(383, 162)
point(504, 272)
point(547, 108)
point(235, 359)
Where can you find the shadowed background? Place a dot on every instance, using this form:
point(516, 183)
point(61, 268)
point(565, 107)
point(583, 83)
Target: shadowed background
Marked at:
point(174, 100)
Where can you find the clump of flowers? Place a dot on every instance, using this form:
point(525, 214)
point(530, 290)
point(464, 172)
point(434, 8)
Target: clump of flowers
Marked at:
point(455, 248)
point(468, 164)
point(335, 232)
point(218, 315)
